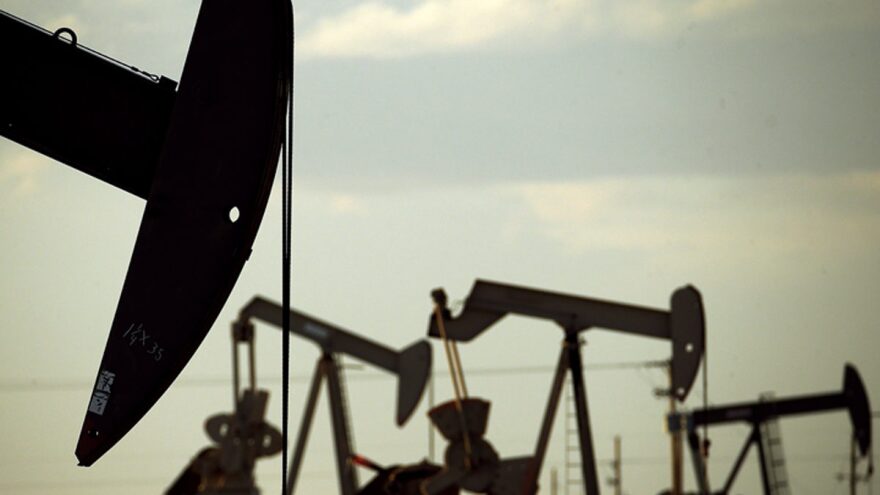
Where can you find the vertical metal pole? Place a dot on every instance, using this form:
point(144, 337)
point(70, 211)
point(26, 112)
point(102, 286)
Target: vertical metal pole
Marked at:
point(305, 427)
point(765, 476)
point(236, 386)
point(585, 437)
point(675, 442)
point(618, 480)
point(431, 432)
point(699, 465)
point(852, 465)
point(346, 471)
point(252, 359)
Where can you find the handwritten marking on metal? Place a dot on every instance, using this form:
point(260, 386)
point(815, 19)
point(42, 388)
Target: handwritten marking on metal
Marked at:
point(139, 335)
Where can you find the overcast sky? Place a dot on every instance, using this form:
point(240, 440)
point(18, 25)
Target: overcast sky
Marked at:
point(613, 149)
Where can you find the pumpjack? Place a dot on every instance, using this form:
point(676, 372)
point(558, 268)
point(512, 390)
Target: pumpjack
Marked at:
point(682, 325)
point(411, 365)
point(202, 153)
point(853, 398)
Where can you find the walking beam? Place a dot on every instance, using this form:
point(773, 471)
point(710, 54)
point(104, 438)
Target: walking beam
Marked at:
point(683, 325)
point(412, 365)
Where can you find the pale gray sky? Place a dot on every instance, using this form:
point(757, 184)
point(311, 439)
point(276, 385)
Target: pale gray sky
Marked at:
point(611, 149)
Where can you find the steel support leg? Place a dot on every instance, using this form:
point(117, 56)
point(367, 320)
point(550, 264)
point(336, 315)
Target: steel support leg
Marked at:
point(305, 427)
point(765, 476)
point(345, 469)
point(739, 460)
point(699, 465)
point(549, 415)
point(585, 437)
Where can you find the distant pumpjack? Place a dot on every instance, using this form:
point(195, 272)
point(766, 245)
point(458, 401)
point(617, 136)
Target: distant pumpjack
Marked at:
point(853, 398)
point(203, 157)
point(488, 302)
point(240, 438)
point(412, 366)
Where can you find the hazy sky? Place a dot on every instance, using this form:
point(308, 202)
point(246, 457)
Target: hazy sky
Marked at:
point(614, 149)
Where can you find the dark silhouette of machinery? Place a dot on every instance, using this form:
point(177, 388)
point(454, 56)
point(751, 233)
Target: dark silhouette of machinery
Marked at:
point(470, 461)
point(240, 438)
point(203, 154)
point(852, 398)
point(412, 366)
point(400, 479)
point(488, 302)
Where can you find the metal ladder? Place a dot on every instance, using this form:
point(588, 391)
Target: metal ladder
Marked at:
point(574, 483)
point(774, 460)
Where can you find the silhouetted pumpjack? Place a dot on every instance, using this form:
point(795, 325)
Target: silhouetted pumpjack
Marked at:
point(411, 365)
point(488, 302)
point(203, 157)
point(240, 439)
point(853, 398)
